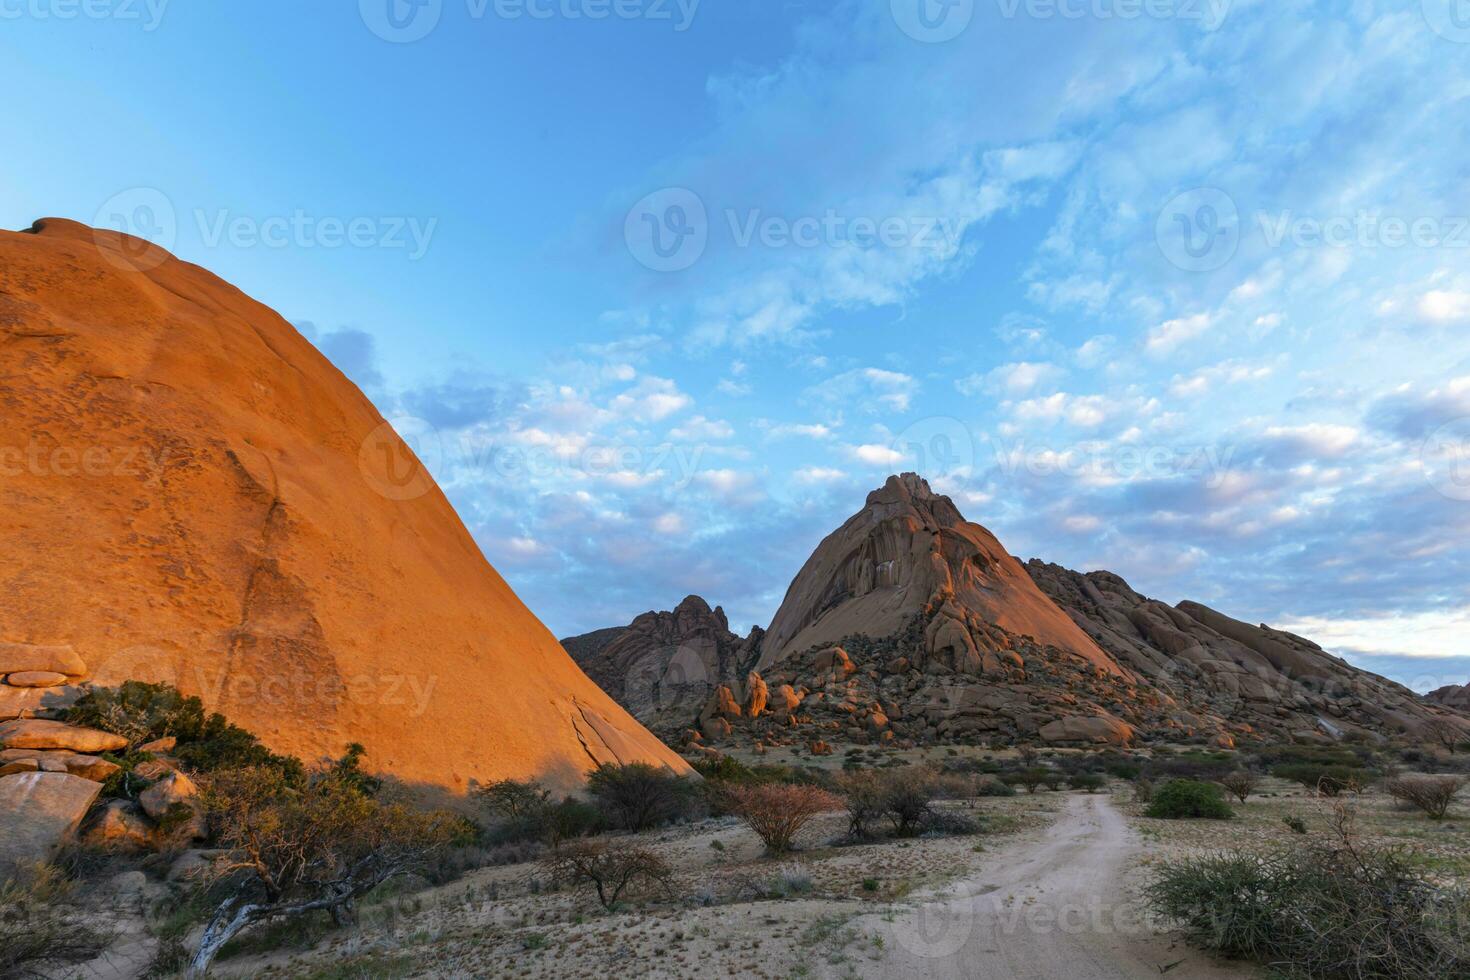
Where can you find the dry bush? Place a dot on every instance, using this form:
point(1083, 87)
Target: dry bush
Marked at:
point(907, 794)
point(38, 927)
point(610, 869)
point(863, 792)
point(777, 812)
point(317, 846)
point(1446, 732)
point(1432, 794)
point(1240, 784)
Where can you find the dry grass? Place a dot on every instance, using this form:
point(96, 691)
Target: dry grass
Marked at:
point(733, 911)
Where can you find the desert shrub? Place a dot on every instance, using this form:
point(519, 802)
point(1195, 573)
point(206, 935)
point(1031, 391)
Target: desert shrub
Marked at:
point(991, 786)
point(725, 769)
point(1295, 824)
point(207, 742)
point(610, 870)
point(1432, 794)
point(1089, 781)
point(1184, 799)
point(1030, 779)
point(1324, 910)
point(1194, 765)
point(38, 924)
point(302, 849)
point(778, 813)
point(1330, 781)
point(638, 796)
point(1240, 784)
point(863, 794)
point(1143, 790)
point(518, 808)
point(907, 795)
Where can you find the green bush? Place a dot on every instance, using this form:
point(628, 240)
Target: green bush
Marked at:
point(207, 742)
point(639, 796)
point(1318, 911)
point(1089, 781)
point(1186, 799)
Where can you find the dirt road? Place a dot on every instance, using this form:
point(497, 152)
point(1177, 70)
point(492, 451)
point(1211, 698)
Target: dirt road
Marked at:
point(1055, 908)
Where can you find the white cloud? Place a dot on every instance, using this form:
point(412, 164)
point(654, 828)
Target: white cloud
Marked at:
point(651, 400)
point(700, 428)
point(1172, 333)
point(1319, 439)
point(813, 431)
point(819, 474)
point(870, 389)
point(1009, 379)
point(1445, 306)
point(875, 455)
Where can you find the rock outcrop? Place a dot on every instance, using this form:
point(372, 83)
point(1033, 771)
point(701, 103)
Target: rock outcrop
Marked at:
point(201, 498)
point(1253, 681)
point(664, 666)
point(1455, 696)
point(909, 551)
point(910, 625)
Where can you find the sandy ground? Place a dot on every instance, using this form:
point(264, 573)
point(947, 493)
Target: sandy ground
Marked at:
point(1053, 896)
point(1063, 905)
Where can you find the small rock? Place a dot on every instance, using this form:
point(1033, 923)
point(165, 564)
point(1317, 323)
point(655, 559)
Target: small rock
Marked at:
point(36, 678)
point(34, 733)
point(121, 825)
point(173, 788)
point(159, 746)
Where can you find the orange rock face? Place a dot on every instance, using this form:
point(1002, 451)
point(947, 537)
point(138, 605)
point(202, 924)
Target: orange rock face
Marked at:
point(906, 548)
point(190, 492)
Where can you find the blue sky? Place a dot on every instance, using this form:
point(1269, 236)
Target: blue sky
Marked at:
point(1179, 288)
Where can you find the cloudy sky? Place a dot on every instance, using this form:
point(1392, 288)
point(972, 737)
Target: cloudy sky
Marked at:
point(660, 290)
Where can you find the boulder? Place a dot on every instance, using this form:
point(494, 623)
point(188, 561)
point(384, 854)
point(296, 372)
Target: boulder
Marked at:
point(19, 765)
point(35, 702)
point(86, 766)
point(159, 746)
point(785, 700)
point(715, 728)
point(38, 812)
point(171, 789)
point(21, 658)
point(722, 704)
point(121, 825)
point(756, 695)
point(1098, 730)
point(36, 678)
point(35, 733)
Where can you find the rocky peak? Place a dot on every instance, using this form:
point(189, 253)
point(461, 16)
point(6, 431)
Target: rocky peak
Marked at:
point(910, 493)
point(908, 553)
point(663, 666)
